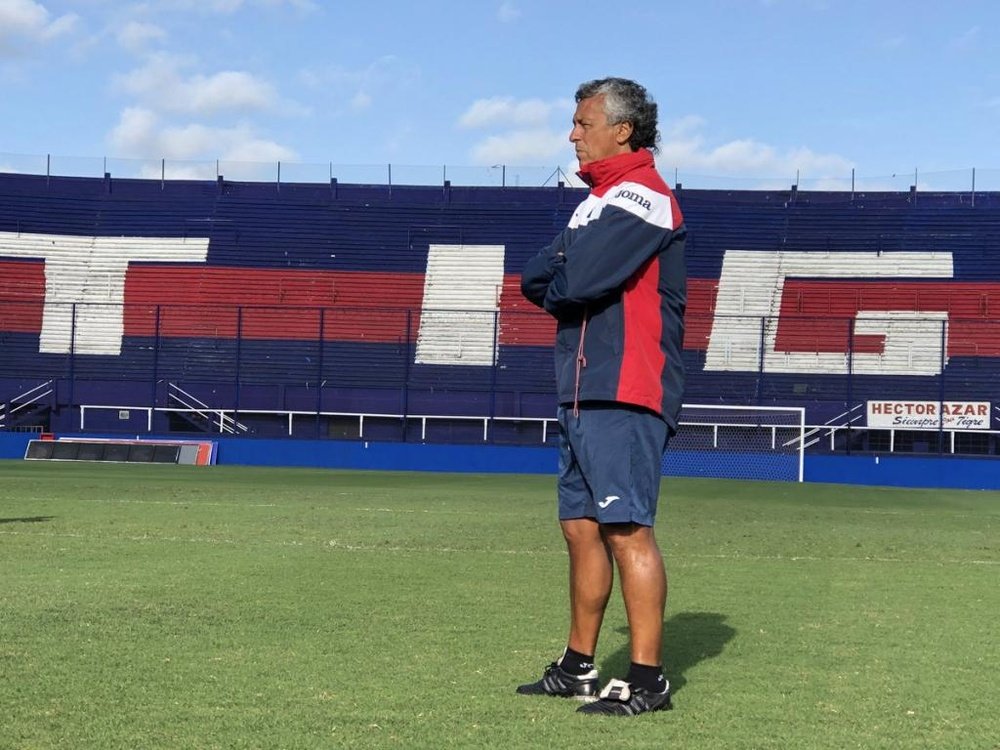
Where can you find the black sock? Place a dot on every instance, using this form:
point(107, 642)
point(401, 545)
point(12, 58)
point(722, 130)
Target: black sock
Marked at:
point(573, 662)
point(644, 676)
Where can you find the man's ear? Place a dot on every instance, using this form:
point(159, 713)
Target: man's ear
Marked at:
point(623, 131)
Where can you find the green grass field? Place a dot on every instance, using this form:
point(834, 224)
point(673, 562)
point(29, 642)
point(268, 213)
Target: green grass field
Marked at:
point(234, 607)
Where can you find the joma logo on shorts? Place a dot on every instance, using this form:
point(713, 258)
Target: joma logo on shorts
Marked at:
point(642, 201)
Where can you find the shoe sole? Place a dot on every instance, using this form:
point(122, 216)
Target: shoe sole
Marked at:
point(668, 706)
point(574, 696)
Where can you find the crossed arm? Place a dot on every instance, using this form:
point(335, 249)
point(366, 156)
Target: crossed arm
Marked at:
point(591, 262)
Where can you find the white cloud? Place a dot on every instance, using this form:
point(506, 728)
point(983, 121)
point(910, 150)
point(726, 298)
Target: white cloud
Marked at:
point(25, 22)
point(302, 5)
point(683, 147)
point(62, 25)
point(240, 144)
point(508, 12)
point(536, 146)
point(136, 37)
point(522, 131)
point(506, 110)
point(361, 101)
point(204, 6)
point(180, 112)
point(160, 83)
point(20, 15)
point(682, 127)
point(228, 89)
point(359, 89)
point(141, 133)
point(229, 6)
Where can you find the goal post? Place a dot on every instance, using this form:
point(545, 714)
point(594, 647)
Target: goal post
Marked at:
point(738, 442)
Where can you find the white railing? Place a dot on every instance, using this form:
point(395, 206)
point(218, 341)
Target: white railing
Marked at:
point(25, 400)
point(893, 432)
point(223, 418)
point(194, 405)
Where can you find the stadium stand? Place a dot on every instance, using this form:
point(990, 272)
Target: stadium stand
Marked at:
point(377, 312)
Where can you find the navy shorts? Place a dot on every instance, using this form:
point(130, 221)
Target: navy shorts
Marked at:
point(610, 463)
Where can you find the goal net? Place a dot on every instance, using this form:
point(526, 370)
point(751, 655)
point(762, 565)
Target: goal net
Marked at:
point(738, 442)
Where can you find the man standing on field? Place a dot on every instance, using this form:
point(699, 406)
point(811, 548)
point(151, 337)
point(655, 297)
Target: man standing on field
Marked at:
point(614, 280)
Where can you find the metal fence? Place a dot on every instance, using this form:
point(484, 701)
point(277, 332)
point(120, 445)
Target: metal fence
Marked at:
point(970, 179)
point(333, 359)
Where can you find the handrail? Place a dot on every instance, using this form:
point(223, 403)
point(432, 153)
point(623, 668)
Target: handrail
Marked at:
point(543, 422)
point(30, 394)
point(223, 415)
point(205, 410)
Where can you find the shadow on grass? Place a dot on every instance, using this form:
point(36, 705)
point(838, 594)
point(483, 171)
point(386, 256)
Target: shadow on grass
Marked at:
point(688, 638)
point(30, 519)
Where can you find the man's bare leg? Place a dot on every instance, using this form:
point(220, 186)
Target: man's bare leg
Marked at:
point(590, 578)
point(644, 587)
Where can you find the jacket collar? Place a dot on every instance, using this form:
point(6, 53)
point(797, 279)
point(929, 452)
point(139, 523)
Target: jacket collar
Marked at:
point(609, 170)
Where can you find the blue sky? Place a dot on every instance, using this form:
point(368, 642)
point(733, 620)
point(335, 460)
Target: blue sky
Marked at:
point(748, 89)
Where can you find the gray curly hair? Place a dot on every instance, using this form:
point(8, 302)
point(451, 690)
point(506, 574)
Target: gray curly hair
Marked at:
point(626, 101)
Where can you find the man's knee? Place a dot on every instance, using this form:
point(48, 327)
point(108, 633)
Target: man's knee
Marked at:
point(629, 539)
point(581, 532)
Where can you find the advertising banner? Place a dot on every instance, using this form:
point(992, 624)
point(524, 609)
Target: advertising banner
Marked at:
point(930, 415)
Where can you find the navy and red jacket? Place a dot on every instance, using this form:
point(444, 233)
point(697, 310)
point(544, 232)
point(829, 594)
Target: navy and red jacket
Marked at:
point(615, 281)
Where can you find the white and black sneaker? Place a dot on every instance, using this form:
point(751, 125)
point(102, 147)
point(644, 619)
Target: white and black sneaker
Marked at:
point(619, 698)
point(558, 682)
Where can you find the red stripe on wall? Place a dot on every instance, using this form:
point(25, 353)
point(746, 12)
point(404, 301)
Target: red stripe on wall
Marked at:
point(23, 283)
point(815, 314)
point(377, 307)
point(156, 284)
point(521, 322)
point(385, 307)
point(699, 313)
point(193, 302)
